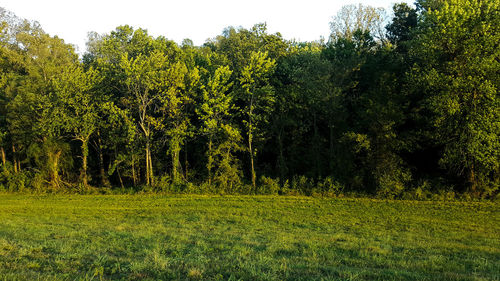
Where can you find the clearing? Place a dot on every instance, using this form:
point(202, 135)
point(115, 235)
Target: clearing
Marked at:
point(153, 237)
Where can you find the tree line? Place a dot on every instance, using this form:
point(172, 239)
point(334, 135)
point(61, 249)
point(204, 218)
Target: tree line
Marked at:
point(386, 107)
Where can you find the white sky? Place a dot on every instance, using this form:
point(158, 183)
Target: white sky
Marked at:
point(198, 20)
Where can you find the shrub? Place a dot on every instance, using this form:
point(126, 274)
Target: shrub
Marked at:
point(302, 185)
point(166, 184)
point(329, 187)
point(392, 185)
point(268, 186)
point(19, 181)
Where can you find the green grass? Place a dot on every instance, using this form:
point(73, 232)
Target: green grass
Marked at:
point(143, 237)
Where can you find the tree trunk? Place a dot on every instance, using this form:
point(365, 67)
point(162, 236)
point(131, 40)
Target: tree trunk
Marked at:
point(4, 160)
point(281, 161)
point(316, 149)
point(251, 160)
point(14, 156)
point(210, 161)
point(54, 169)
point(250, 149)
point(186, 164)
point(175, 164)
point(102, 173)
point(151, 177)
point(138, 174)
point(331, 151)
point(473, 181)
point(134, 176)
point(228, 156)
point(148, 180)
point(120, 178)
point(85, 153)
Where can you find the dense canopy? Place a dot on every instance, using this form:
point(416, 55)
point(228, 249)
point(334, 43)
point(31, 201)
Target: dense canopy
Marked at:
point(388, 107)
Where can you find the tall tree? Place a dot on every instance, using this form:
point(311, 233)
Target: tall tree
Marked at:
point(75, 89)
point(223, 137)
point(174, 99)
point(457, 70)
point(258, 95)
point(351, 18)
point(404, 21)
point(143, 76)
point(35, 119)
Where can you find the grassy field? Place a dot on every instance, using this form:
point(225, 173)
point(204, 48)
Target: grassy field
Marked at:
point(145, 237)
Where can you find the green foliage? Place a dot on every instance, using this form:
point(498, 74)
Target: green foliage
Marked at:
point(459, 74)
point(404, 21)
point(268, 186)
point(54, 158)
point(80, 108)
point(258, 97)
point(15, 182)
point(330, 187)
point(227, 177)
point(223, 138)
point(407, 112)
point(353, 18)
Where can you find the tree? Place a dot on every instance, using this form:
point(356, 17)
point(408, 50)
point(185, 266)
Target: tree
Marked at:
point(34, 117)
point(6, 69)
point(403, 23)
point(174, 99)
point(457, 72)
point(223, 137)
point(75, 88)
point(308, 94)
point(258, 96)
point(143, 76)
point(351, 18)
point(116, 141)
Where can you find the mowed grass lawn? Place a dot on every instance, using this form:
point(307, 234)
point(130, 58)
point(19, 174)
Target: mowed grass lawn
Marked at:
point(143, 237)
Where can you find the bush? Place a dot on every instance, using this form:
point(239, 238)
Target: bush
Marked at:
point(302, 185)
point(422, 191)
point(268, 186)
point(392, 185)
point(329, 187)
point(166, 184)
point(19, 182)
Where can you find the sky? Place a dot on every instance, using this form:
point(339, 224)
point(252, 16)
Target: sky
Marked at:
point(198, 20)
